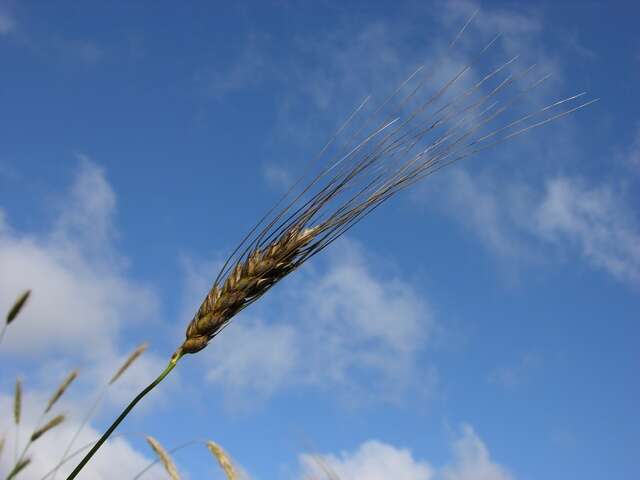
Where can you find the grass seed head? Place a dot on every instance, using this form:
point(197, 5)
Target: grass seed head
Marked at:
point(17, 306)
point(140, 349)
point(17, 402)
point(61, 389)
point(168, 464)
point(50, 425)
point(21, 465)
point(223, 459)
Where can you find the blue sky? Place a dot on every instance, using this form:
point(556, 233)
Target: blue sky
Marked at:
point(481, 326)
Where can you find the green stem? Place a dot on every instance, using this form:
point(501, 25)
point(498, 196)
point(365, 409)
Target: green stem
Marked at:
point(125, 412)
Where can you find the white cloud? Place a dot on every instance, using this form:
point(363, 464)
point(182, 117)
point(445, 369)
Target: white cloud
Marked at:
point(116, 459)
point(472, 460)
point(264, 362)
point(568, 213)
point(594, 219)
point(332, 327)
point(375, 460)
point(81, 294)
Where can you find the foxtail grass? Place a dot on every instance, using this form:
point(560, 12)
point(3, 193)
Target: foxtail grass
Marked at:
point(406, 139)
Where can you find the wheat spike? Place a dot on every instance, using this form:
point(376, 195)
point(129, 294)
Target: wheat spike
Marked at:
point(2, 442)
point(17, 402)
point(50, 425)
point(168, 464)
point(223, 460)
point(388, 155)
point(140, 349)
point(61, 389)
point(21, 465)
point(17, 306)
point(245, 284)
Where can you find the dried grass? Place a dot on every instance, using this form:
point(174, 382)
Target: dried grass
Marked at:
point(164, 457)
point(223, 460)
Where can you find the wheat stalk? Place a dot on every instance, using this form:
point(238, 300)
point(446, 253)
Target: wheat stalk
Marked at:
point(164, 457)
point(386, 156)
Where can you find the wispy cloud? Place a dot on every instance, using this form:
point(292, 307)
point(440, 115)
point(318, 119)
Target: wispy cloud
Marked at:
point(511, 376)
point(82, 295)
point(375, 460)
point(569, 213)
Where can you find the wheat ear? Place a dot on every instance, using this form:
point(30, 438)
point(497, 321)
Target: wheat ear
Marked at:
point(164, 457)
point(14, 311)
point(385, 156)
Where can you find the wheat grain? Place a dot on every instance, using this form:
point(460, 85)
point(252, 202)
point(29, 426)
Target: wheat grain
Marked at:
point(50, 425)
point(140, 349)
point(223, 460)
point(61, 389)
point(168, 464)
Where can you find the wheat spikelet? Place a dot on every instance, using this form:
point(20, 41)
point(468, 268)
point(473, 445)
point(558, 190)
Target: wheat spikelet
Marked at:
point(140, 349)
point(223, 460)
point(61, 389)
point(17, 402)
point(21, 465)
point(168, 464)
point(17, 306)
point(50, 425)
